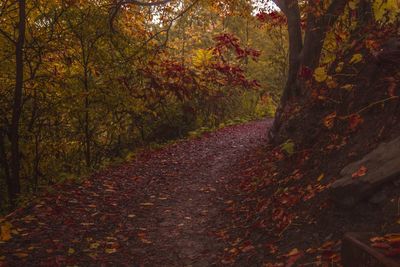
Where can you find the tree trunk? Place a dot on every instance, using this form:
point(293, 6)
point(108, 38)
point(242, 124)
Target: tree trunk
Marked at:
point(13, 182)
point(3, 159)
point(292, 12)
point(316, 31)
point(87, 118)
point(305, 55)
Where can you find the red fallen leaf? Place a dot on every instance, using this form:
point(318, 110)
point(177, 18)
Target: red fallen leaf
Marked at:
point(393, 239)
point(392, 86)
point(362, 171)
point(272, 249)
point(329, 120)
point(381, 245)
point(311, 250)
point(335, 258)
point(294, 255)
point(247, 248)
point(376, 239)
point(143, 238)
point(293, 252)
point(355, 120)
point(327, 245)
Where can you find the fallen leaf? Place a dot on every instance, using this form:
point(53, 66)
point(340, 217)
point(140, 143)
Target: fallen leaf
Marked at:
point(21, 255)
point(247, 248)
point(347, 87)
point(5, 234)
point(362, 171)
point(339, 67)
point(320, 74)
point(393, 239)
point(234, 251)
point(329, 120)
point(143, 238)
point(272, 249)
point(319, 179)
point(356, 58)
point(354, 121)
point(392, 86)
point(331, 82)
point(288, 147)
point(311, 250)
point(377, 239)
point(110, 250)
point(71, 251)
point(94, 245)
point(293, 252)
point(380, 245)
point(294, 255)
point(353, 5)
point(147, 204)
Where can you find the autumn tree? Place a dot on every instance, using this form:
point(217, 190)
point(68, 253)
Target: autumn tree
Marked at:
point(305, 52)
point(76, 94)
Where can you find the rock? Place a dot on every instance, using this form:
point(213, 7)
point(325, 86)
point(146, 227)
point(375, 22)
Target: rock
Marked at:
point(357, 252)
point(382, 165)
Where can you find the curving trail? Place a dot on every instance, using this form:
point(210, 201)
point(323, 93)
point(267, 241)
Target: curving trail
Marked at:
point(166, 208)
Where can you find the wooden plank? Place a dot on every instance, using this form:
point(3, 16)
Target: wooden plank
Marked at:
point(356, 252)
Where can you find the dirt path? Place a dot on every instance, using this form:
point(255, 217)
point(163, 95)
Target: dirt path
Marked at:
point(164, 209)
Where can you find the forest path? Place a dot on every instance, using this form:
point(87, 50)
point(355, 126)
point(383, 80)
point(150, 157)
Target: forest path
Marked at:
point(166, 208)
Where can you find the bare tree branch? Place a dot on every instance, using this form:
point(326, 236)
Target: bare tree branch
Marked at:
point(116, 8)
point(7, 36)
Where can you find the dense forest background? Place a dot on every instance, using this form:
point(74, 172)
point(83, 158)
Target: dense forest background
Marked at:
point(99, 82)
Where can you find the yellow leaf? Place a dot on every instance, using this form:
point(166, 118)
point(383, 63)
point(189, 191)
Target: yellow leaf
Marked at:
point(347, 87)
point(94, 245)
point(147, 204)
point(5, 231)
point(353, 5)
point(111, 250)
point(14, 232)
point(288, 147)
point(320, 74)
point(71, 251)
point(339, 67)
point(202, 57)
point(356, 58)
point(21, 255)
point(331, 83)
point(386, 10)
point(321, 177)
